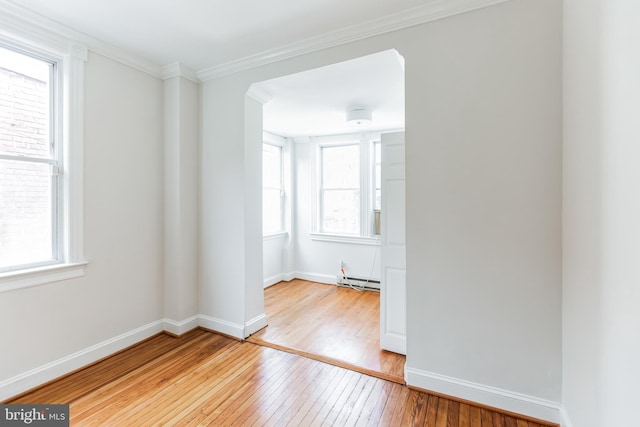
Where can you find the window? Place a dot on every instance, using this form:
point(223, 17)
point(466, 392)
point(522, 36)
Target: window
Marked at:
point(377, 175)
point(41, 169)
point(348, 187)
point(29, 162)
point(340, 189)
point(272, 189)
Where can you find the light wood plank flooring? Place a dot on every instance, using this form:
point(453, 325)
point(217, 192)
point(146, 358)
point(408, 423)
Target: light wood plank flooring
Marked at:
point(205, 379)
point(328, 323)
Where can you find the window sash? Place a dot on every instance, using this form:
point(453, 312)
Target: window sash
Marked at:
point(16, 253)
point(272, 189)
point(343, 217)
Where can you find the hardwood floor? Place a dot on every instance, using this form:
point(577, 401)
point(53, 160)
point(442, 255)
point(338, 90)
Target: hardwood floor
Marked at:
point(205, 379)
point(332, 324)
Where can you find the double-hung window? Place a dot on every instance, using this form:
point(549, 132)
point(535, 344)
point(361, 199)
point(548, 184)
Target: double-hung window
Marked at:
point(30, 159)
point(41, 110)
point(272, 189)
point(377, 176)
point(340, 189)
point(348, 187)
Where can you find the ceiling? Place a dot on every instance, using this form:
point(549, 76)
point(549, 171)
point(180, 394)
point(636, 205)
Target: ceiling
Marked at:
point(207, 33)
point(204, 34)
point(210, 38)
point(315, 102)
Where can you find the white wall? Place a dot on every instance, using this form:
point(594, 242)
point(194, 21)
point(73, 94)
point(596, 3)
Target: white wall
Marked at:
point(320, 260)
point(484, 203)
point(122, 289)
point(601, 223)
point(181, 195)
point(483, 130)
point(275, 262)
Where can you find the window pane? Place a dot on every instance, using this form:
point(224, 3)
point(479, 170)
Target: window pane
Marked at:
point(24, 105)
point(271, 166)
point(271, 211)
point(341, 211)
point(271, 189)
point(341, 167)
point(25, 213)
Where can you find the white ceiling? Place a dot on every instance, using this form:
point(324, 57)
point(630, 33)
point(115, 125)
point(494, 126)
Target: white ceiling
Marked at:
point(209, 38)
point(204, 34)
point(208, 33)
point(315, 102)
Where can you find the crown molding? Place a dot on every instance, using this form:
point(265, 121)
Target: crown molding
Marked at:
point(434, 10)
point(17, 19)
point(176, 69)
point(38, 27)
point(257, 92)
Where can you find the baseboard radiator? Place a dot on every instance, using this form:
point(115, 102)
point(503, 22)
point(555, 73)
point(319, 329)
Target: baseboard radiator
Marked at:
point(358, 282)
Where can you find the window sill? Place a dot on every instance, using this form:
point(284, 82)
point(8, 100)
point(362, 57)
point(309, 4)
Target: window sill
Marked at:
point(358, 240)
point(274, 236)
point(39, 276)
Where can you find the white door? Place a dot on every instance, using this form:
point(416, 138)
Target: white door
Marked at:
point(393, 306)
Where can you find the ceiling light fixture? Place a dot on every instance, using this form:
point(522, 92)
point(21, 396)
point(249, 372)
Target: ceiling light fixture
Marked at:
point(358, 117)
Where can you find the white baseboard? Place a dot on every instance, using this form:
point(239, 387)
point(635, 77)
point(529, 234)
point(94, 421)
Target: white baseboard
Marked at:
point(255, 324)
point(42, 374)
point(315, 277)
point(179, 328)
point(565, 421)
point(282, 277)
point(394, 343)
point(486, 395)
point(235, 330)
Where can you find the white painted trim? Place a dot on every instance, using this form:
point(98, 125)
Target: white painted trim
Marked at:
point(394, 342)
point(492, 396)
point(70, 57)
point(255, 324)
point(315, 277)
point(176, 69)
point(565, 421)
point(20, 20)
point(432, 11)
point(257, 92)
point(275, 236)
point(353, 240)
point(73, 152)
point(40, 276)
point(40, 375)
point(180, 327)
point(13, 15)
point(277, 278)
point(273, 139)
point(235, 330)
point(270, 281)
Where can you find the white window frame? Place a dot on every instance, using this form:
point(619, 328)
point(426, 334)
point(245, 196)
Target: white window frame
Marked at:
point(365, 141)
point(373, 171)
point(280, 145)
point(70, 58)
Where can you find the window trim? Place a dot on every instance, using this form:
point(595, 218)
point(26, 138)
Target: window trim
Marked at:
point(53, 161)
point(365, 141)
point(70, 58)
point(321, 190)
point(275, 143)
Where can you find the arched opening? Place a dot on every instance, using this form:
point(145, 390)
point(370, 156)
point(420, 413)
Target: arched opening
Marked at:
point(319, 224)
